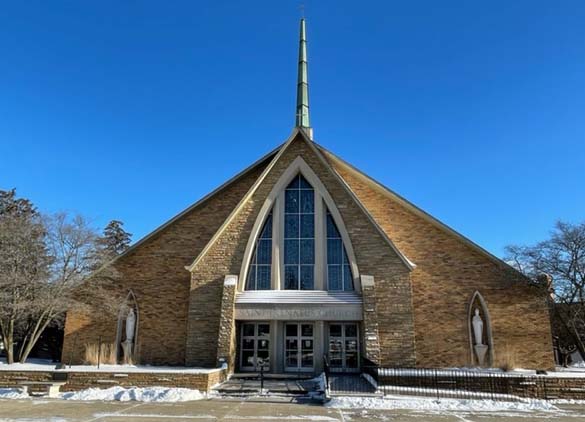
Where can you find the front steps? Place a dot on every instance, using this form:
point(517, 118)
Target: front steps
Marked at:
point(247, 385)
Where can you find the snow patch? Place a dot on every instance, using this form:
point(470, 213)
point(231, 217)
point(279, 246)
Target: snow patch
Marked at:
point(13, 393)
point(147, 394)
point(46, 365)
point(566, 401)
point(427, 404)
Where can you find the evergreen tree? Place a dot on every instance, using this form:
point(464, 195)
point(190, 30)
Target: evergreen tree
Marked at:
point(115, 239)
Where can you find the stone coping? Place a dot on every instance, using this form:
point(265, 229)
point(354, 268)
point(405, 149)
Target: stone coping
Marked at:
point(119, 369)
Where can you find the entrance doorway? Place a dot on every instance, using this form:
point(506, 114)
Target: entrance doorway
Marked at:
point(299, 344)
point(343, 347)
point(255, 346)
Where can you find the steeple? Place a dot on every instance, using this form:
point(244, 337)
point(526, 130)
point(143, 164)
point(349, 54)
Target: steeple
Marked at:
point(302, 115)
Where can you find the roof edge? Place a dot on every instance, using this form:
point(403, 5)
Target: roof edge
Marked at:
point(407, 262)
point(191, 207)
point(425, 215)
point(279, 151)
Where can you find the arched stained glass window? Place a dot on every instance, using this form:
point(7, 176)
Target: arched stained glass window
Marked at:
point(339, 275)
point(261, 263)
point(299, 235)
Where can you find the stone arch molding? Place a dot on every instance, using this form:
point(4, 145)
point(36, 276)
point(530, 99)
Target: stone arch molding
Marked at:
point(297, 166)
point(129, 303)
point(478, 302)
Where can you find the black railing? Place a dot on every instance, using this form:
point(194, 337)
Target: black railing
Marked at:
point(439, 383)
point(466, 384)
point(326, 372)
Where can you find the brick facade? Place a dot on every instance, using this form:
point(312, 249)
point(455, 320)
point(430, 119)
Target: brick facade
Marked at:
point(448, 272)
point(373, 254)
point(411, 317)
point(155, 271)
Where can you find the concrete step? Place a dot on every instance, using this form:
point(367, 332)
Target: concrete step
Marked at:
point(250, 386)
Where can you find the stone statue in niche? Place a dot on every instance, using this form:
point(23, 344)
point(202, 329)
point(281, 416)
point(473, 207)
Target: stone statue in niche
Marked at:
point(479, 347)
point(477, 323)
point(127, 345)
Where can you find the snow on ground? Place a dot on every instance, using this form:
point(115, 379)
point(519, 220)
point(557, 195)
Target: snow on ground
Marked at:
point(170, 395)
point(46, 365)
point(428, 404)
point(148, 394)
point(13, 393)
point(570, 372)
point(566, 401)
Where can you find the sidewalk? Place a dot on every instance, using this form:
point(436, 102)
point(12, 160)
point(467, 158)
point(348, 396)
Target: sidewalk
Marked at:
point(251, 410)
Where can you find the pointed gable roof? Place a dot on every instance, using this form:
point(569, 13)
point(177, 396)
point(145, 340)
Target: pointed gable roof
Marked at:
point(263, 161)
point(299, 133)
point(338, 163)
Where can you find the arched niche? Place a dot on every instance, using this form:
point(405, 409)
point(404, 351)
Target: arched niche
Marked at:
point(129, 304)
point(478, 303)
point(298, 166)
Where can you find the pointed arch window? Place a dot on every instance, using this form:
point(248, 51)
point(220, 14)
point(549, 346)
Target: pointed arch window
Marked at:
point(259, 275)
point(302, 243)
point(339, 276)
point(299, 235)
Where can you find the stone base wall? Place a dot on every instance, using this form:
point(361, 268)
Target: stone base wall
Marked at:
point(82, 380)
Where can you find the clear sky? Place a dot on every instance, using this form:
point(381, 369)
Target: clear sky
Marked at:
point(133, 110)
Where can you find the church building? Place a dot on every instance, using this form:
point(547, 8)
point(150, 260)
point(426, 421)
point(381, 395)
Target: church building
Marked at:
point(302, 256)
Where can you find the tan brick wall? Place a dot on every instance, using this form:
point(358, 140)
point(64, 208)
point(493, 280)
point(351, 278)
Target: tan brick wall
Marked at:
point(181, 322)
point(373, 254)
point(448, 272)
point(156, 273)
point(82, 380)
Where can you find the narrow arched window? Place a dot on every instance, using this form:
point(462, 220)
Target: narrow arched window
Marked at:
point(261, 263)
point(299, 235)
point(301, 243)
point(339, 275)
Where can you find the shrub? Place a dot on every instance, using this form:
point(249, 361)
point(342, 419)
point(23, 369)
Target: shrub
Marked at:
point(506, 360)
point(107, 354)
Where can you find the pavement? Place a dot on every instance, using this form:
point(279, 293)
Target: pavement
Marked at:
point(249, 410)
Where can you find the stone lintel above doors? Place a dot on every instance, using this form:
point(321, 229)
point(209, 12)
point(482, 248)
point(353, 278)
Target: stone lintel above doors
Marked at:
point(299, 312)
point(298, 305)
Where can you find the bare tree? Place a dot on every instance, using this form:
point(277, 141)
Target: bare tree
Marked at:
point(46, 269)
point(562, 259)
point(24, 265)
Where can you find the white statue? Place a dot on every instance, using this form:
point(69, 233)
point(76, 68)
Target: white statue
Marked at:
point(477, 328)
point(480, 348)
point(128, 343)
point(130, 325)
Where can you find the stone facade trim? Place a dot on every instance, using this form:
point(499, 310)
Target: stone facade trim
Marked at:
point(245, 199)
point(299, 312)
point(371, 335)
point(299, 166)
point(227, 335)
point(312, 145)
point(367, 281)
point(477, 295)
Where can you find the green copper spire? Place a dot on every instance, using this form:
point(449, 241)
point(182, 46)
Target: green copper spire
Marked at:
point(302, 116)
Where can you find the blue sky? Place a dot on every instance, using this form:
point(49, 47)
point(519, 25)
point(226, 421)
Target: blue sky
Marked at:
point(133, 110)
